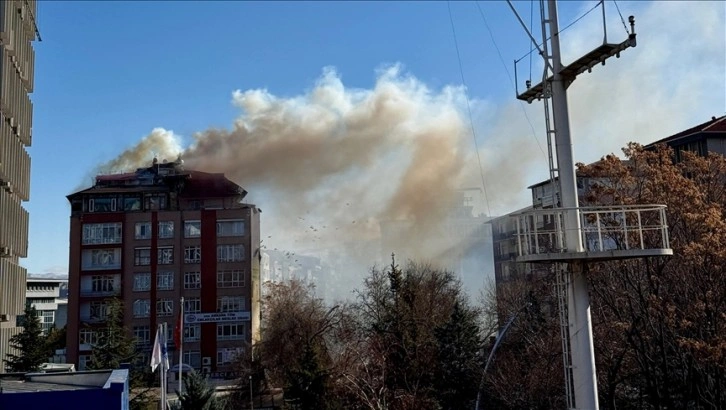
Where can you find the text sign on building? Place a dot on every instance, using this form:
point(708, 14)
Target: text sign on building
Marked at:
point(216, 317)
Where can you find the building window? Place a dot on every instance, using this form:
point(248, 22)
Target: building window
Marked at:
point(142, 334)
point(142, 230)
point(230, 278)
point(142, 281)
point(164, 307)
point(230, 253)
point(228, 355)
point(192, 280)
point(132, 203)
point(142, 256)
point(142, 308)
point(98, 310)
point(83, 361)
point(165, 255)
point(165, 281)
point(230, 331)
point(47, 320)
point(230, 227)
point(154, 202)
point(193, 254)
point(166, 229)
point(101, 259)
point(101, 233)
point(87, 337)
point(102, 284)
point(231, 304)
point(102, 205)
point(192, 333)
point(192, 305)
point(192, 229)
point(192, 358)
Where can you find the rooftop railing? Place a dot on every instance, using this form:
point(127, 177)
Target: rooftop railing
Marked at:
point(606, 232)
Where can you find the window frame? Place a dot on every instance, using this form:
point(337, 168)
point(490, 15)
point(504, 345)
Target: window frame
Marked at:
point(227, 252)
point(191, 223)
point(166, 229)
point(193, 254)
point(192, 280)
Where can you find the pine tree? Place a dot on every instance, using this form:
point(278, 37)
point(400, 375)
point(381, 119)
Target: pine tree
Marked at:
point(459, 361)
point(113, 345)
point(197, 394)
point(30, 344)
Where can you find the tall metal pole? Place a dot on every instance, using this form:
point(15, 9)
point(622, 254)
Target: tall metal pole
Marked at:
point(181, 341)
point(583, 357)
point(252, 402)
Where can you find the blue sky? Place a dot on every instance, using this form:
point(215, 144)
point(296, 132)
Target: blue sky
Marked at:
point(108, 72)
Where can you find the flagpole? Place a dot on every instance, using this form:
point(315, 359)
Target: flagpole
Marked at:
point(181, 341)
point(164, 370)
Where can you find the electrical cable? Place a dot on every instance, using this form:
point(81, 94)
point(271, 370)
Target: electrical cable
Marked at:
point(568, 26)
point(621, 17)
point(468, 107)
point(501, 59)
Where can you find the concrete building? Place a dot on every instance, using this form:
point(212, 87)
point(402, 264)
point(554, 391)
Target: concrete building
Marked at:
point(152, 236)
point(102, 389)
point(50, 299)
point(17, 32)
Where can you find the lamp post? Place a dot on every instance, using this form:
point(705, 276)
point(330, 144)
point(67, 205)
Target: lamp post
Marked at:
point(252, 403)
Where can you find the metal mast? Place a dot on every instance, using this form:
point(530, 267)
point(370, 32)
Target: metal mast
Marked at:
point(570, 236)
point(578, 303)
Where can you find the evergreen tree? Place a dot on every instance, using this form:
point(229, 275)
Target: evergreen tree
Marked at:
point(459, 361)
point(30, 344)
point(56, 339)
point(197, 394)
point(113, 345)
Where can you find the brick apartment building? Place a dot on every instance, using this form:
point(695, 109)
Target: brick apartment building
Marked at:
point(152, 236)
point(17, 60)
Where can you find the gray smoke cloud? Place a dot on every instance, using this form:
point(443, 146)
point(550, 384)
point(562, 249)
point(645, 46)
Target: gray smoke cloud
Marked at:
point(329, 167)
point(332, 166)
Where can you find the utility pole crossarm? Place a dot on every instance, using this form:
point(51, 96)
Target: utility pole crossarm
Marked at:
point(584, 63)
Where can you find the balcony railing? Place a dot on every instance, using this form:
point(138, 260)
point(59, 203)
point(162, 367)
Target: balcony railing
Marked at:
point(611, 232)
point(100, 293)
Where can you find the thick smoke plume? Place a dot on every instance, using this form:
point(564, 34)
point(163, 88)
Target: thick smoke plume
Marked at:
point(335, 166)
point(332, 166)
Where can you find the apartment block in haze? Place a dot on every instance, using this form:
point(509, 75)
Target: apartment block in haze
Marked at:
point(155, 235)
point(17, 32)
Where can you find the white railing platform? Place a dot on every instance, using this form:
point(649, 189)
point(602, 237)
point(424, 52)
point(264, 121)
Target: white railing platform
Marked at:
point(606, 233)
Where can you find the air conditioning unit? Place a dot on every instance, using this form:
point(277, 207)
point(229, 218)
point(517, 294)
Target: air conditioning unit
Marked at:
point(206, 361)
point(3, 318)
point(4, 251)
point(206, 370)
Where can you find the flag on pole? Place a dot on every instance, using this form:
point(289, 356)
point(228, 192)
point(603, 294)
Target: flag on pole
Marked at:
point(156, 353)
point(159, 355)
point(178, 329)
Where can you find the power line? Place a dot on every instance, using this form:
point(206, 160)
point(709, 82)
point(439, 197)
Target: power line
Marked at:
point(621, 17)
point(511, 81)
point(568, 26)
point(468, 107)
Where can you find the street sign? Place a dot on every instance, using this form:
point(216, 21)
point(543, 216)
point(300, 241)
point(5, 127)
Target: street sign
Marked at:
point(216, 317)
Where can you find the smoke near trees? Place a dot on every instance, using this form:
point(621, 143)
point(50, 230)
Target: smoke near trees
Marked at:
point(410, 340)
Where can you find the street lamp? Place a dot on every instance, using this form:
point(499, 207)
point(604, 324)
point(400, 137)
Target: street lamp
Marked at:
point(252, 404)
